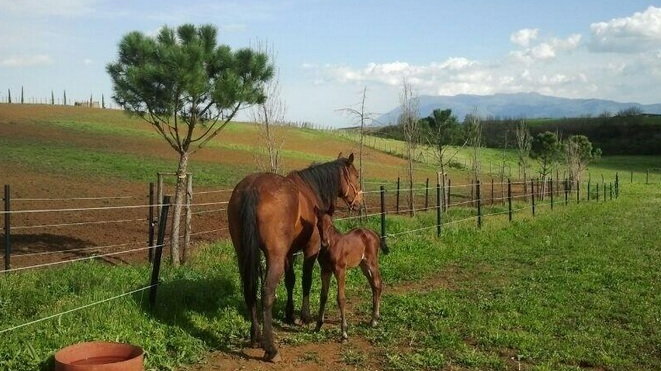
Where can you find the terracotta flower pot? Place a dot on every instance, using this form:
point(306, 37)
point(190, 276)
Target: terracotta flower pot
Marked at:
point(100, 356)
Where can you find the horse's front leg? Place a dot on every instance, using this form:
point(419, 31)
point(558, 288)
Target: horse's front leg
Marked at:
point(290, 281)
point(308, 267)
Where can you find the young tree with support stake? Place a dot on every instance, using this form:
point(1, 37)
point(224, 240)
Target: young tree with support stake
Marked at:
point(188, 87)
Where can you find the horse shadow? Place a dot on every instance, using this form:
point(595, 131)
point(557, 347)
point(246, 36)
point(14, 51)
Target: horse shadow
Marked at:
point(180, 301)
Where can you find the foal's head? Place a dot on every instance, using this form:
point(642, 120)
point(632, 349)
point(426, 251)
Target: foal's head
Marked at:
point(325, 226)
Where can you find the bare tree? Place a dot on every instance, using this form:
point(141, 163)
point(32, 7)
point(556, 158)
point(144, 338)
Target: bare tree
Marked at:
point(363, 119)
point(523, 144)
point(408, 119)
point(443, 126)
point(270, 115)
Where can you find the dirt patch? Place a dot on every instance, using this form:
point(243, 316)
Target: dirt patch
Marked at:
point(358, 353)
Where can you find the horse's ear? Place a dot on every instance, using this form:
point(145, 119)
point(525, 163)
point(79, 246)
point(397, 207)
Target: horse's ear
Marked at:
point(350, 159)
point(339, 155)
point(316, 210)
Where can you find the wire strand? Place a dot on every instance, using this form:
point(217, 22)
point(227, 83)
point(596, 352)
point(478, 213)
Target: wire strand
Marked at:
point(76, 309)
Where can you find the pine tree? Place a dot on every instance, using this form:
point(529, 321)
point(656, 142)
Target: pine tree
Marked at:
point(185, 80)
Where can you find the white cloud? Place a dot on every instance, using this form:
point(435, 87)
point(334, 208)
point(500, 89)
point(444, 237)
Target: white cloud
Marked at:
point(524, 36)
point(26, 61)
point(87, 61)
point(639, 32)
point(548, 49)
point(46, 8)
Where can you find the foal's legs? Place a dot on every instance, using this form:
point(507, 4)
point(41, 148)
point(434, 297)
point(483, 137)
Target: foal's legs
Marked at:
point(371, 271)
point(275, 268)
point(325, 283)
point(290, 280)
point(340, 275)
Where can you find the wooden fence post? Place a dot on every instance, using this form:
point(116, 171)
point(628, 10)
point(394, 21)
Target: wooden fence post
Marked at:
point(532, 195)
point(439, 205)
point(447, 204)
point(647, 177)
point(427, 194)
point(509, 198)
point(150, 253)
point(492, 191)
point(479, 204)
point(156, 266)
point(383, 213)
point(597, 191)
point(588, 190)
point(617, 185)
point(604, 186)
point(397, 203)
point(578, 192)
point(566, 186)
point(610, 190)
point(631, 179)
point(189, 216)
point(551, 194)
point(159, 192)
point(7, 227)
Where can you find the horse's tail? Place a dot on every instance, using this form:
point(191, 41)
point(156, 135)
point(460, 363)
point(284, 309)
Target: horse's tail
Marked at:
point(250, 266)
point(384, 247)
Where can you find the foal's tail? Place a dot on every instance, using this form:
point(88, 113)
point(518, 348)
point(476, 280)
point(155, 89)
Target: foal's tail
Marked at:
point(384, 247)
point(249, 262)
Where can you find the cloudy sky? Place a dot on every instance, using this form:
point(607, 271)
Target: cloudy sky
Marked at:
point(328, 50)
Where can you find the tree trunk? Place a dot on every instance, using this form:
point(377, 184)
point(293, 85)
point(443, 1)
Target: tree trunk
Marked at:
point(180, 193)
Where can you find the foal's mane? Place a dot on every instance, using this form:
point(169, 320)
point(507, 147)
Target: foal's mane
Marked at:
point(324, 180)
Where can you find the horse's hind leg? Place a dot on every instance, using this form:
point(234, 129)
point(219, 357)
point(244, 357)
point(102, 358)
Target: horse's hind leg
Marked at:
point(290, 281)
point(325, 283)
point(308, 267)
point(371, 271)
point(275, 268)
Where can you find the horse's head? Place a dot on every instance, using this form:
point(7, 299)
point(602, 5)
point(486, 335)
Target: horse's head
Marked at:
point(349, 184)
point(324, 225)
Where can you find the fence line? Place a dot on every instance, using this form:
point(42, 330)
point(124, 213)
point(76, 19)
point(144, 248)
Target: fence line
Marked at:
point(77, 249)
point(79, 198)
point(79, 259)
point(76, 309)
point(76, 224)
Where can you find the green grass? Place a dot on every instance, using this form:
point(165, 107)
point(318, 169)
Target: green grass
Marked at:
point(574, 287)
point(491, 158)
point(66, 159)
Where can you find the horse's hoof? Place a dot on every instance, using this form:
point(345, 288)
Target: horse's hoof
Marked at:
point(273, 358)
point(345, 340)
point(374, 323)
point(306, 318)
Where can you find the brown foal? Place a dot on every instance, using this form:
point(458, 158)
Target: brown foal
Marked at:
point(360, 246)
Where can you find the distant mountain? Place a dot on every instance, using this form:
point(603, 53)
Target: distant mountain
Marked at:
point(517, 105)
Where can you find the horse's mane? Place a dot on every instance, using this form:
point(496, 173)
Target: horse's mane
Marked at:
point(324, 180)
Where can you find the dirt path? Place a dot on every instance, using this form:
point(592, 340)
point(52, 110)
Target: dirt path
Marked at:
point(358, 353)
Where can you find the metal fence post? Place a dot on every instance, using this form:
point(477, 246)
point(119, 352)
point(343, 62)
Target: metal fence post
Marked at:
point(150, 253)
point(617, 185)
point(479, 204)
point(7, 228)
point(397, 202)
point(588, 190)
point(578, 192)
point(566, 185)
point(647, 177)
point(156, 267)
point(439, 205)
point(427, 194)
point(447, 204)
point(383, 213)
point(509, 198)
point(551, 194)
point(159, 192)
point(597, 191)
point(532, 196)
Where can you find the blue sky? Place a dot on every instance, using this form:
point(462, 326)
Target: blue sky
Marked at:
point(328, 50)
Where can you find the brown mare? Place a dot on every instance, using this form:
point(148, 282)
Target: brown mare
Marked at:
point(360, 246)
point(275, 214)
